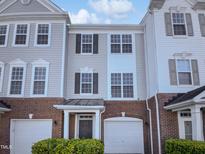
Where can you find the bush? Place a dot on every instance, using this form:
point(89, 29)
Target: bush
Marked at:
point(176, 146)
point(63, 146)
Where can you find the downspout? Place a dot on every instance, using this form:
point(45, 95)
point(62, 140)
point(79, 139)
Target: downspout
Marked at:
point(150, 121)
point(101, 122)
point(158, 123)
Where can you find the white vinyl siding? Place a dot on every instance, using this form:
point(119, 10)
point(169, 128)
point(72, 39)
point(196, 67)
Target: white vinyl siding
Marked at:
point(21, 35)
point(43, 35)
point(3, 35)
point(87, 44)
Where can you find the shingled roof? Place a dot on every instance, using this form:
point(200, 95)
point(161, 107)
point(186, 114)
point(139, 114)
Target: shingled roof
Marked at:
point(84, 102)
point(185, 97)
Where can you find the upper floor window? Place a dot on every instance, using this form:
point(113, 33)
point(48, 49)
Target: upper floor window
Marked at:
point(184, 72)
point(122, 85)
point(179, 25)
point(3, 35)
point(40, 80)
point(87, 43)
point(21, 37)
point(121, 43)
point(43, 37)
point(86, 83)
point(16, 80)
point(1, 75)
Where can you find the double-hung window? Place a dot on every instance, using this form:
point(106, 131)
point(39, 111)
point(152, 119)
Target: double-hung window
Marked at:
point(40, 80)
point(16, 80)
point(86, 83)
point(3, 35)
point(179, 25)
point(43, 31)
point(21, 37)
point(184, 72)
point(121, 43)
point(87, 43)
point(122, 85)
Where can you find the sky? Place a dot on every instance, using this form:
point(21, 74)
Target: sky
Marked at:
point(104, 11)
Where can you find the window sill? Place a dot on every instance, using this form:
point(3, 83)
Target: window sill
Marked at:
point(20, 46)
point(42, 46)
point(180, 36)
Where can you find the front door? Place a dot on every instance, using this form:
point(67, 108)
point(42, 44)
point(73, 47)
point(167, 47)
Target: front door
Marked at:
point(85, 128)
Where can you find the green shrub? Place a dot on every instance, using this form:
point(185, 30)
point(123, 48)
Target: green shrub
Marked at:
point(63, 146)
point(176, 146)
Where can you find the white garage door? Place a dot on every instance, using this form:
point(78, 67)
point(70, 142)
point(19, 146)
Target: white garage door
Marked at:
point(24, 133)
point(123, 135)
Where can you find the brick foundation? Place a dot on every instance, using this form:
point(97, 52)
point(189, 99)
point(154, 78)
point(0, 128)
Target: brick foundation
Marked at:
point(41, 108)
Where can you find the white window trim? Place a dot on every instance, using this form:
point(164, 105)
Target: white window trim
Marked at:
point(17, 63)
point(27, 35)
point(2, 75)
point(77, 122)
point(81, 52)
point(39, 63)
point(121, 44)
point(49, 36)
point(179, 36)
point(91, 83)
point(192, 82)
point(122, 87)
point(7, 33)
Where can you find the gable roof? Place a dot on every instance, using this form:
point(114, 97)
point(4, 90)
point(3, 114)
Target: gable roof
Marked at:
point(186, 97)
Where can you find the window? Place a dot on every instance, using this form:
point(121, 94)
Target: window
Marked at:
point(43, 34)
point(179, 23)
point(122, 85)
point(86, 83)
point(1, 75)
point(17, 77)
point(121, 43)
point(87, 43)
point(3, 34)
point(184, 72)
point(188, 129)
point(21, 34)
point(39, 81)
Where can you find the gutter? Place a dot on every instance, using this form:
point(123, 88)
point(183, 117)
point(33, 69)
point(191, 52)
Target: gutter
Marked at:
point(150, 121)
point(75, 107)
point(158, 124)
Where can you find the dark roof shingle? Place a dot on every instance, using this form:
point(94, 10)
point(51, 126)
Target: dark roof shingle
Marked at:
point(84, 102)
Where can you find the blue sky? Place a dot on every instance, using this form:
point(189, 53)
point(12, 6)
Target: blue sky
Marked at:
point(105, 11)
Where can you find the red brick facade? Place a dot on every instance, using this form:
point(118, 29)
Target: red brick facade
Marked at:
point(21, 108)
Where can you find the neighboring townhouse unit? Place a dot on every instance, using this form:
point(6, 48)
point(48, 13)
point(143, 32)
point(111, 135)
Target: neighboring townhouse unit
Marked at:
point(132, 86)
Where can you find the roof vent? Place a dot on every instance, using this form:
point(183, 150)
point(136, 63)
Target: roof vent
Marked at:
point(25, 2)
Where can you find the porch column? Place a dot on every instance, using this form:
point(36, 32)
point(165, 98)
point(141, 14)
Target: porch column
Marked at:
point(197, 124)
point(97, 124)
point(66, 125)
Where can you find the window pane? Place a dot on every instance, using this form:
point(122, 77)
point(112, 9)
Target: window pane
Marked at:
point(21, 29)
point(43, 28)
point(183, 66)
point(16, 87)
point(178, 18)
point(86, 83)
point(127, 38)
point(39, 87)
point(127, 91)
point(87, 48)
point(17, 73)
point(116, 91)
point(2, 39)
point(116, 78)
point(3, 29)
point(179, 30)
point(115, 48)
point(42, 39)
point(87, 38)
point(86, 88)
point(188, 130)
point(127, 48)
point(86, 77)
point(115, 39)
point(20, 39)
point(127, 79)
point(40, 73)
point(185, 78)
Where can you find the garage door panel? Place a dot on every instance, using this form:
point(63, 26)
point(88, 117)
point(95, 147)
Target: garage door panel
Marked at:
point(27, 132)
point(123, 136)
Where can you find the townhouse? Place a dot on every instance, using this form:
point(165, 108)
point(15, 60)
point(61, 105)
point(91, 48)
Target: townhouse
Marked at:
point(132, 86)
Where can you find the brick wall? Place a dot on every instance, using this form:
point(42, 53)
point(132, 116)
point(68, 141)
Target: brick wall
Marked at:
point(131, 109)
point(41, 108)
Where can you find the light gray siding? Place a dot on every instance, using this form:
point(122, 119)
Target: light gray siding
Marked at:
point(52, 54)
point(98, 62)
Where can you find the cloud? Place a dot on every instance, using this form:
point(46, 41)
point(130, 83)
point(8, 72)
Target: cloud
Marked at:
point(116, 9)
point(84, 17)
